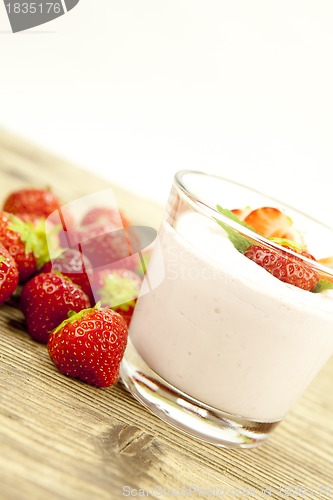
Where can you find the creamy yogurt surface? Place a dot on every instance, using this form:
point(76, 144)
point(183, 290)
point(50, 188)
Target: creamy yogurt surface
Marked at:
point(223, 330)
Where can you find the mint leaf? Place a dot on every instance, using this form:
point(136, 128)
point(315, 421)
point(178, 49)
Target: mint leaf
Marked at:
point(322, 285)
point(228, 213)
point(240, 242)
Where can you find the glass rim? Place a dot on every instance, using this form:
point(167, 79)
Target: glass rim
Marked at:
point(211, 212)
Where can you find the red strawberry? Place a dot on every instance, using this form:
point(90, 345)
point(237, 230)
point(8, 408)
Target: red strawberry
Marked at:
point(118, 289)
point(284, 266)
point(33, 201)
point(270, 222)
point(105, 215)
point(74, 265)
point(34, 205)
point(90, 346)
point(105, 245)
point(46, 301)
point(13, 232)
point(8, 275)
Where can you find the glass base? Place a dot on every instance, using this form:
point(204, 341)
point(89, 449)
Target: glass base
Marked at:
point(186, 413)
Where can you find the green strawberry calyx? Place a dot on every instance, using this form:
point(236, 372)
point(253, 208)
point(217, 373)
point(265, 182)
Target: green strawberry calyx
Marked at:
point(35, 238)
point(241, 243)
point(118, 292)
point(322, 285)
point(75, 316)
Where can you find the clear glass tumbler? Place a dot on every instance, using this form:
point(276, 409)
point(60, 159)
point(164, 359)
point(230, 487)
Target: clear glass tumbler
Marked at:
point(221, 348)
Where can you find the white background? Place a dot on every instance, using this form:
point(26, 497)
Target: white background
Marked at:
point(137, 89)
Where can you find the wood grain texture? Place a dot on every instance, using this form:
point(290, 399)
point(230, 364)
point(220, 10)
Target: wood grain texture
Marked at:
point(62, 439)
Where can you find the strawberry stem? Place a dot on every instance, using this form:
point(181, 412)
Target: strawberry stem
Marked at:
point(74, 316)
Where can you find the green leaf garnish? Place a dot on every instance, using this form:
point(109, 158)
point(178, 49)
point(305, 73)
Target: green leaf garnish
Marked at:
point(228, 213)
point(322, 285)
point(240, 242)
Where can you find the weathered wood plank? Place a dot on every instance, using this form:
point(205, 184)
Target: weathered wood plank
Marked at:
point(62, 439)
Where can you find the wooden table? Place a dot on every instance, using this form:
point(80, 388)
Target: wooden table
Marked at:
point(63, 439)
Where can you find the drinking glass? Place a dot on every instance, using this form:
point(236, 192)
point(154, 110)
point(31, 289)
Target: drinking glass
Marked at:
point(221, 348)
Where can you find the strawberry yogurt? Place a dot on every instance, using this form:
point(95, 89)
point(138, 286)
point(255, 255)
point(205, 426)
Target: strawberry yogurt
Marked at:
point(223, 330)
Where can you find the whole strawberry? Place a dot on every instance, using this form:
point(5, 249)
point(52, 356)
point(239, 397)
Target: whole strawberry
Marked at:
point(8, 275)
point(31, 201)
point(13, 231)
point(46, 301)
point(118, 289)
point(89, 346)
point(73, 264)
point(106, 245)
point(284, 266)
